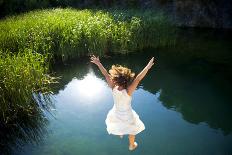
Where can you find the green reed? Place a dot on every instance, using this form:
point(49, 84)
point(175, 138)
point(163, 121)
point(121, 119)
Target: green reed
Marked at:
point(24, 83)
point(69, 33)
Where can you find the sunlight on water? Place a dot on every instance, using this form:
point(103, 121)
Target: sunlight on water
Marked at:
point(89, 88)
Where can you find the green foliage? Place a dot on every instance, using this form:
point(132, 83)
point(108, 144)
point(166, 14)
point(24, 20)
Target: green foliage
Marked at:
point(69, 33)
point(22, 86)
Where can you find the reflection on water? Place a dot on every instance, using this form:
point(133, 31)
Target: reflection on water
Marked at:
point(89, 87)
point(29, 129)
point(184, 103)
point(185, 107)
point(200, 91)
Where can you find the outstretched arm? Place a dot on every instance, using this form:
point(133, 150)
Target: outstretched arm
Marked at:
point(139, 77)
point(97, 62)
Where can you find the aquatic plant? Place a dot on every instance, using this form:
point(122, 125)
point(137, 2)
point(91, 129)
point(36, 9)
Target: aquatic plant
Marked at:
point(69, 33)
point(24, 98)
point(24, 86)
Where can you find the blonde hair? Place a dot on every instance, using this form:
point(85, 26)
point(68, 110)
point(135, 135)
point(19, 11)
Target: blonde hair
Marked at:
point(121, 76)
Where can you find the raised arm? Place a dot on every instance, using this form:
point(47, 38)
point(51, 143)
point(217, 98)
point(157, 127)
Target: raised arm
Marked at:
point(96, 61)
point(139, 77)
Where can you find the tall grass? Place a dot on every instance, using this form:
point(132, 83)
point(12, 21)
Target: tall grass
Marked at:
point(24, 97)
point(23, 84)
point(69, 33)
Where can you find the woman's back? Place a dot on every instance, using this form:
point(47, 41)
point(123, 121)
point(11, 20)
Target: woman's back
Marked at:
point(122, 119)
point(122, 101)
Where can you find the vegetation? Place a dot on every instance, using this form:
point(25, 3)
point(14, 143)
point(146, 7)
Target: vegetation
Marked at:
point(23, 86)
point(24, 95)
point(68, 33)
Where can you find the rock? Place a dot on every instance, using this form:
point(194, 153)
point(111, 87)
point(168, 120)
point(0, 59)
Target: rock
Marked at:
point(203, 13)
point(195, 13)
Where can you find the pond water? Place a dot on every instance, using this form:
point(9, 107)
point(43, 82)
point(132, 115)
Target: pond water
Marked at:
point(184, 102)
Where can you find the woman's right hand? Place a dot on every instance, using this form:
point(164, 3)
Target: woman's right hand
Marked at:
point(95, 60)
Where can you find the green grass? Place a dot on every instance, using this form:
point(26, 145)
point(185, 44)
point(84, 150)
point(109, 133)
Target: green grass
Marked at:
point(23, 82)
point(69, 33)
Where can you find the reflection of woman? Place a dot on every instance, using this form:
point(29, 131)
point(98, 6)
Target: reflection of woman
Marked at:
point(122, 119)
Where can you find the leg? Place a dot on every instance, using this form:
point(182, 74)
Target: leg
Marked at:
point(132, 143)
point(131, 139)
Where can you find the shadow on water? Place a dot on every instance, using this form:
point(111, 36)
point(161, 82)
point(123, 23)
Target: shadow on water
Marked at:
point(27, 129)
point(194, 77)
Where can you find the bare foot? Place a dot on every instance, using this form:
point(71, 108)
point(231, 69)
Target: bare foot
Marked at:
point(131, 148)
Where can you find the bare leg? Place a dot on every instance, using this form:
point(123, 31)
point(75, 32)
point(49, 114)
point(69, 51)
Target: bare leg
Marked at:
point(131, 139)
point(132, 143)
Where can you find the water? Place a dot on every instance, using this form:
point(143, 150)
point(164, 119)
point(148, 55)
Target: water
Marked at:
point(184, 102)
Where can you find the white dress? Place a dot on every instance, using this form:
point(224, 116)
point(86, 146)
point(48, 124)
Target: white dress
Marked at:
point(122, 119)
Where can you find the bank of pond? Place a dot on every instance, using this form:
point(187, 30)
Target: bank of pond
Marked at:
point(33, 44)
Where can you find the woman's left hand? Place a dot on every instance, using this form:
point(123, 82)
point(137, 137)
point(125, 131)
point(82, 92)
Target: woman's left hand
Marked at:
point(95, 60)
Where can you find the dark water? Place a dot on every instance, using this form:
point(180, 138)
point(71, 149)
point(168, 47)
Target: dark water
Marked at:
point(184, 102)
